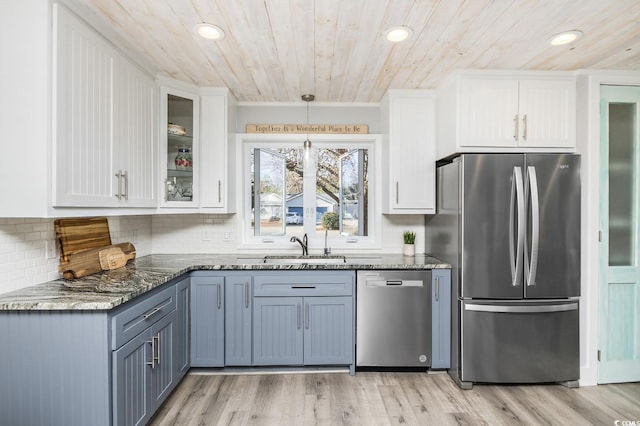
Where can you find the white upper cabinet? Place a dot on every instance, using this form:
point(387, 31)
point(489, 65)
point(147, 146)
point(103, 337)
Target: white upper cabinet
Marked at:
point(135, 140)
point(217, 125)
point(197, 124)
point(104, 111)
point(496, 111)
point(83, 94)
point(409, 151)
point(179, 145)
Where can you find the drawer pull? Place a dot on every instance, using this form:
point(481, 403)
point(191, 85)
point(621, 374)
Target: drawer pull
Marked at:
point(153, 312)
point(303, 286)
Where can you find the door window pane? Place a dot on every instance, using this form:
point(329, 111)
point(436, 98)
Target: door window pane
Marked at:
point(622, 136)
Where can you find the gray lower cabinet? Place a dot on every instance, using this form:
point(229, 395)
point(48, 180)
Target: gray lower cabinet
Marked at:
point(304, 318)
point(328, 330)
point(92, 367)
point(277, 331)
point(441, 318)
point(237, 320)
point(144, 373)
point(303, 331)
point(207, 320)
point(145, 357)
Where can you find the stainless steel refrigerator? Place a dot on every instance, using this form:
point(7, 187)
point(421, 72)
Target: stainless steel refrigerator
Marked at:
point(510, 226)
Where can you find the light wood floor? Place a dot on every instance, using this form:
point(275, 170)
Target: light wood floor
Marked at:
point(388, 398)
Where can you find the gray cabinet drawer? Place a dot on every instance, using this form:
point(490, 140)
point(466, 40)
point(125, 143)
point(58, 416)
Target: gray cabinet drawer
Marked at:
point(304, 284)
point(137, 317)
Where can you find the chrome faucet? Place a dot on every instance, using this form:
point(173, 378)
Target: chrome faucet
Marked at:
point(304, 243)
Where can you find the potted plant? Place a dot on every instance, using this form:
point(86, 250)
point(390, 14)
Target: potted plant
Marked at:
point(409, 248)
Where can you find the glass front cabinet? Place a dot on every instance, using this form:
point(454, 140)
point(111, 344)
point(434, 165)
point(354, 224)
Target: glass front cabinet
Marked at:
point(180, 143)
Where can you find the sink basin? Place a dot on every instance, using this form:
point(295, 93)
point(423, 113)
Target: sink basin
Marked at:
point(316, 260)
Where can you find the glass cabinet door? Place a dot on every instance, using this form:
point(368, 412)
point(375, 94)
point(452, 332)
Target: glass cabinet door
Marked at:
point(181, 161)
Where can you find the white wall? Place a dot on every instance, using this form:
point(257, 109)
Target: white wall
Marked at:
point(319, 113)
point(23, 260)
point(185, 233)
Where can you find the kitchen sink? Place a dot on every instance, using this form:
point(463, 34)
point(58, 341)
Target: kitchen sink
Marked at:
point(310, 259)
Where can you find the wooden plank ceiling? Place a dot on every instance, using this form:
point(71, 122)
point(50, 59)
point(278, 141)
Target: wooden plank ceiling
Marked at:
point(276, 50)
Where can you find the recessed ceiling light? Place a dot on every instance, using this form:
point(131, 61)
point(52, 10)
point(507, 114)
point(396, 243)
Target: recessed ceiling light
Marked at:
point(565, 37)
point(397, 34)
point(209, 31)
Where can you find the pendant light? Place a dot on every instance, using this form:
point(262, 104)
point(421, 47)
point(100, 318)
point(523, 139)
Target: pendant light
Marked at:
point(307, 143)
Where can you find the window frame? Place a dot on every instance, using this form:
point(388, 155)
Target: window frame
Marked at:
point(246, 142)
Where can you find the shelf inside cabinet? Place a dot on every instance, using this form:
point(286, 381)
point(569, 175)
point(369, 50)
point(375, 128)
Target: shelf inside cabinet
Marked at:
point(179, 173)
point(179, 140)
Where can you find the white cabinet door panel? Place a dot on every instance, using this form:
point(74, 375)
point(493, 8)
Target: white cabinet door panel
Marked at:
point(547, 113)
point(408, 125)
point(134, 123)
point(83, 93)
point(488, 112)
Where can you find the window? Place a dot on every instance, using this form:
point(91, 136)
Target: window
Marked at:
point(330, 190)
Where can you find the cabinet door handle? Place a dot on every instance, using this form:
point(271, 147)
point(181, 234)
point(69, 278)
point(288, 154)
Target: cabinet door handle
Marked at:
point(515, 125)
point(246, 295)
point(219, 191)
point(306, 316)
point(219, 289)
point(158, 349)
point(437, 288)
point(119, 176)
point(126, 185)
point(397, 192)
point(524, 127)
point(153, 352)
point(298, 316)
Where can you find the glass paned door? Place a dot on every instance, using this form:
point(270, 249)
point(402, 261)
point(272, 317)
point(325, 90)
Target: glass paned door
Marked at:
point(619, 316)
point(180, 146)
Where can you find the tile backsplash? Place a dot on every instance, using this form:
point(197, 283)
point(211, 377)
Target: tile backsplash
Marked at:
point(23, 242)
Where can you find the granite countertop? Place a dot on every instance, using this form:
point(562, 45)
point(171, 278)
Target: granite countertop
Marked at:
point(106, 290)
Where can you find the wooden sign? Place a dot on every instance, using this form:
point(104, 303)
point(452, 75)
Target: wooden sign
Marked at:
point(354, 129)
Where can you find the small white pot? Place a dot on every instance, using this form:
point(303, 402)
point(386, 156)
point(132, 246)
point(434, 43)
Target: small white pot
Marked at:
point(409, 250)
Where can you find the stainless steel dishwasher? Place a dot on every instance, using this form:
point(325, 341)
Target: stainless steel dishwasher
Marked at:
point(393, 327)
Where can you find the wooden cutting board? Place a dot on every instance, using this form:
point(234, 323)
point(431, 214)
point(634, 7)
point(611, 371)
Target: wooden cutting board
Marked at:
point(80, 234)
point(114, 257)
point(85, 247)
point(90, 261)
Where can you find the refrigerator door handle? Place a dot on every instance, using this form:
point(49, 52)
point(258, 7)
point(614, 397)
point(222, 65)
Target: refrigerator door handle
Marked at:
point(532, 266)
point(515, 253)
point(521, 309)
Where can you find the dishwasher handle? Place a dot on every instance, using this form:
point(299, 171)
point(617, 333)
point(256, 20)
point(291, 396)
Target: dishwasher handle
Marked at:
point(394, 283)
